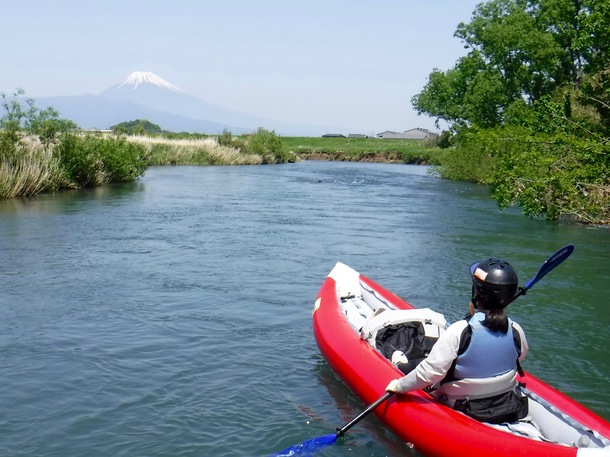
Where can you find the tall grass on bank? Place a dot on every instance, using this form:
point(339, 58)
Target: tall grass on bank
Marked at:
point(30, 169)
point(206, 151)
point(262, 147)
point(72, 161)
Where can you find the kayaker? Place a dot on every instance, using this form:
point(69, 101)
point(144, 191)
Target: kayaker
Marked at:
point(474, 364)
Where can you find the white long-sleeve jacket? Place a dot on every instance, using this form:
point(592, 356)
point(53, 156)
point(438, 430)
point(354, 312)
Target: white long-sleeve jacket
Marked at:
point(435, 367)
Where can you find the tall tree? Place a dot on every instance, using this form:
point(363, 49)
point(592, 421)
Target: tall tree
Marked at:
point(520, 50)
point(531, 102)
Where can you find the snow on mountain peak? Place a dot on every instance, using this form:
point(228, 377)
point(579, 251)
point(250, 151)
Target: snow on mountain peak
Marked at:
point(146, 77)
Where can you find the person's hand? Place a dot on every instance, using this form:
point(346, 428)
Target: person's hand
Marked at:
point(393, 386)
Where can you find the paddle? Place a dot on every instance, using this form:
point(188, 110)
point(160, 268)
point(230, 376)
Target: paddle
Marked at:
point(550, 263)
point(315, 444)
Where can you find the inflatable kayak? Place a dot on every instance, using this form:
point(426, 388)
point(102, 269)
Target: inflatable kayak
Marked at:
point(351, 315)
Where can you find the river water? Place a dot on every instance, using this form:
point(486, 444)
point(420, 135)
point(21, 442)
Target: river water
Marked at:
point(172, 317)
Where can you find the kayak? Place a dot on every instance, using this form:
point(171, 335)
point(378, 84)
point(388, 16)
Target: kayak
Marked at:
point(352, 313)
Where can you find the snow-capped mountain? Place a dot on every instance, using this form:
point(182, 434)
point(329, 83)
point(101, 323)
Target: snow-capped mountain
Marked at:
point(152, 91)
point(145, 95)
point(144, 77)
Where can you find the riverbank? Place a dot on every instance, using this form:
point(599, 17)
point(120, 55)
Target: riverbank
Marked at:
point(364, 150)
point(227, 149)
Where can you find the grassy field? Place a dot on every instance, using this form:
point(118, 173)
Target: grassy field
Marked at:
point(363, 150)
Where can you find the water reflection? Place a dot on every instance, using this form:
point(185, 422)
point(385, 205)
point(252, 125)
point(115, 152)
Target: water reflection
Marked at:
point(67, 201)
point(370, 430)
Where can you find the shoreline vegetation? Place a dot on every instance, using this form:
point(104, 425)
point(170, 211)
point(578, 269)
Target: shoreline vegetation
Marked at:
point(76, 159)
point(41, 153)
point(219, 150)
point(527, 110)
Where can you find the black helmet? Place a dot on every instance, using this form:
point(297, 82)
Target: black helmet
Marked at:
point(494, 283)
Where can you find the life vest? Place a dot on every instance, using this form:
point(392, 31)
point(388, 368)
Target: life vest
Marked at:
point(486, 365)
point(488, 354)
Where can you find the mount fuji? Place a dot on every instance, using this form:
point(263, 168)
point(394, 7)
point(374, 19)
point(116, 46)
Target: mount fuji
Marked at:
point(144, 95)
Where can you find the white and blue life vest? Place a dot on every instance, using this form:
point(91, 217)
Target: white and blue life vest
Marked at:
point(486, 365)
point(489, 354)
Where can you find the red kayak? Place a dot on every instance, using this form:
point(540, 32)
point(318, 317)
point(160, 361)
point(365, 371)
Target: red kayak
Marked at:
point(349, 313)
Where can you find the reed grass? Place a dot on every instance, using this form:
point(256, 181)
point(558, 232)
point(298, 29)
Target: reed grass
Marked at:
point(30, 170)
point(203, 151)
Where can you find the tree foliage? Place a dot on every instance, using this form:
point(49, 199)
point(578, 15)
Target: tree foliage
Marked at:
point(265, 143)
point(18, 119)
point(136, 127)
point(531, 100)
point(90, 160)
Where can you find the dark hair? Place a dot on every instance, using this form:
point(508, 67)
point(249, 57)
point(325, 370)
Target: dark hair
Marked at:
point(496, 320)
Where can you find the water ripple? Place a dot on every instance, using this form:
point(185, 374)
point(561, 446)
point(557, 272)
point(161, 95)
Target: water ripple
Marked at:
point(174, 317)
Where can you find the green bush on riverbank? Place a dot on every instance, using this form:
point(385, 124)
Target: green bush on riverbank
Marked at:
point(39, 152)
point(89, 160)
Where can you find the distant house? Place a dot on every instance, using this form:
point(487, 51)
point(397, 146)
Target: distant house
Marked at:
point(420, 134)
point(411, 134)
point(333, 135)
point(391, 135)
point(357, 135)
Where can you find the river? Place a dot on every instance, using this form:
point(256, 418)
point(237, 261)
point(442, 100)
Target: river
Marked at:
point(172, 316)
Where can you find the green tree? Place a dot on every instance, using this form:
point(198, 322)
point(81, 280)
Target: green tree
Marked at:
point(520, 50)
point(531, 106)
point(19, 120)
point(137, 127)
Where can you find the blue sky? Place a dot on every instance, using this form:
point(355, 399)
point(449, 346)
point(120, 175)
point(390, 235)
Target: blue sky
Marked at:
point(351, 65)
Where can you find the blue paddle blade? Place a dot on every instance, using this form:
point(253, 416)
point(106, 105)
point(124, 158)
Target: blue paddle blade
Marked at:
point(308, 447)
point(551, 263)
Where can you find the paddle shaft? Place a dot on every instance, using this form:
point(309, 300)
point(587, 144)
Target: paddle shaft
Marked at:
point(359, 417)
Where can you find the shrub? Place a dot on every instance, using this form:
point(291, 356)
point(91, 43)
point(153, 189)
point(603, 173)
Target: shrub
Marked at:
point(472, 160)
point(18, 119)
point(555, 176)
point(225, 138)
point(269, 146)
point(92, 161)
